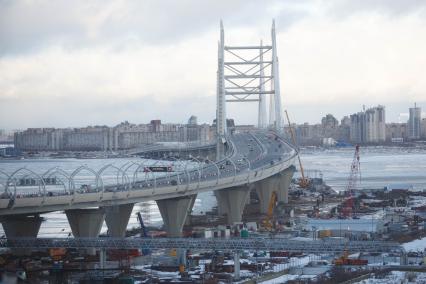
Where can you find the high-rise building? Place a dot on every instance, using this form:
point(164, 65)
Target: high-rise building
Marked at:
point(396, 132)
point(329, 121)
point(414, 122)
point(368, 126)
point(156, 125)
point(423, 128)
point(346, 121)
point(357, 132)
point(192, 120)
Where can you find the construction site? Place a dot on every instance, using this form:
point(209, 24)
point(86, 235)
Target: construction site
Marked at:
point(313, 233)
point(265, 224)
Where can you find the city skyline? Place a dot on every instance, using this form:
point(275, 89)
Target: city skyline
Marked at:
point(402, 117)
point(113, 61)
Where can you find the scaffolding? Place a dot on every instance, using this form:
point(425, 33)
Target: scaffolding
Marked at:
point(234, 244)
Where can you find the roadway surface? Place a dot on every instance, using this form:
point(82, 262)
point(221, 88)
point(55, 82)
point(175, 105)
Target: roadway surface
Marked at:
point(250, 157)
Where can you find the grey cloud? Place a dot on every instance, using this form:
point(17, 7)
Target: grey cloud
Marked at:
point(28, 25)
point(25, 26)
point(392, 8)
point(50, 85)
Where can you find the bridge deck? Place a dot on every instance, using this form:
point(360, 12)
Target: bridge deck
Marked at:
point(251, 157)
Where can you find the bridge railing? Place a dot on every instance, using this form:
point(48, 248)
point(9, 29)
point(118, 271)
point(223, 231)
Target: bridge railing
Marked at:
point(182, 180)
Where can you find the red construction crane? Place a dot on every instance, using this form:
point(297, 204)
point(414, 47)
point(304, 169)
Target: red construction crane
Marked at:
point(354, 176)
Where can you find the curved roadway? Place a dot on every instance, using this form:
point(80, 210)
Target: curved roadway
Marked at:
point(251, 156)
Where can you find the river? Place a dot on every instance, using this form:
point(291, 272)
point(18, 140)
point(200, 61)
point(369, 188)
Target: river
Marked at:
point(380, 166)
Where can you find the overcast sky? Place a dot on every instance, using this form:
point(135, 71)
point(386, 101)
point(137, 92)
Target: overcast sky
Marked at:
point(76, 63)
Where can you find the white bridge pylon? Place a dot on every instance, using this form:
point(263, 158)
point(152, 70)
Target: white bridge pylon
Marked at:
point(249, 74)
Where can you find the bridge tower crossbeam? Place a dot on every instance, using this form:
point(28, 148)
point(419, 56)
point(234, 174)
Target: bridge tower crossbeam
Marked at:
point(248, 74)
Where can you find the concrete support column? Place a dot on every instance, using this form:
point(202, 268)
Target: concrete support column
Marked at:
point(221, 203)
point(116, 218)
point(236, 265)
point(86, 223)
point(102, 258)
point(264, 190)
point(174, 212)
point(403, 259)
point(284, 183)
point(21, 226)
point(232, 202)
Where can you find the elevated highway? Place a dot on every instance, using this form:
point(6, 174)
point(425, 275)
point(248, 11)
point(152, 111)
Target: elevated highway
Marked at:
point(259, 160)
point(180, 149)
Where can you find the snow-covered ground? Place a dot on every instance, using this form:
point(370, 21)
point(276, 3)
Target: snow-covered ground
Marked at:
point(397, 277)
point(293, 262)
point(416, 245)
point(417, 201)
point(281, 279)
point(287, 277)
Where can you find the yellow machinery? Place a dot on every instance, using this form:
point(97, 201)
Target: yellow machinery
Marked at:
point(303, 181)
point(268, 221)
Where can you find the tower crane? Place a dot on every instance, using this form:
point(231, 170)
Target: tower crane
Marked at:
point(303, 182)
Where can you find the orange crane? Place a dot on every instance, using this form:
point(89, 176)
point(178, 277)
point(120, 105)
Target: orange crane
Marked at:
point(303, 182)
point(345, 260)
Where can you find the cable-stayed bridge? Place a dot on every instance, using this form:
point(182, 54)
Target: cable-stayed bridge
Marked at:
point(259, 160)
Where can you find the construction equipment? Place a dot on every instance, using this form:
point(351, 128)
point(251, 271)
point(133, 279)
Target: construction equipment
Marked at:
point(303, 181)
point(267, 223)
point(57, 253)
point(144, 232)
point(345, 260)
point(354, 176)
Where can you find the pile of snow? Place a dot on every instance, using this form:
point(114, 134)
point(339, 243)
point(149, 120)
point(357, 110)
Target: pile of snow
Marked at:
point(416, 245)
point(280, 279)
point(287, 277)
point(397, 277)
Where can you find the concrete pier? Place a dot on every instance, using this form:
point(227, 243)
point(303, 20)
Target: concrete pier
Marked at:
point(85, 222)
point(278, 183)
point(21, 226)
point(232, 201)
point(284, 183)
point(264, 189)
point(174, 212)
point(116, 218)
point(237, 265)
point(102, 258)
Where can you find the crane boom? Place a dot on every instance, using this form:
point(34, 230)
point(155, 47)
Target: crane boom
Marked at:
point(354, 175)
point(303, 182)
